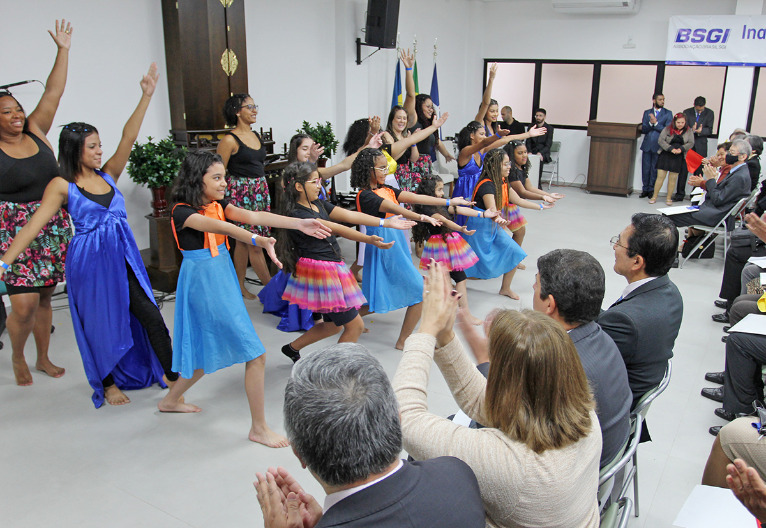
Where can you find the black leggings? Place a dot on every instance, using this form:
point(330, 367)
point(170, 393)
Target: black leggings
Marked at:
point(150, 318)
point(458, 276)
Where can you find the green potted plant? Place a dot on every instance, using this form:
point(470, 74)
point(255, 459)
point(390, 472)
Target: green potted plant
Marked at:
point(323, 135)
point(155, 164)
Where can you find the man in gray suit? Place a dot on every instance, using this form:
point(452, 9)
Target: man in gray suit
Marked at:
point(342, 419)
point(645, 320)
point(569, 288)
point(700, 119)
point(721, 196)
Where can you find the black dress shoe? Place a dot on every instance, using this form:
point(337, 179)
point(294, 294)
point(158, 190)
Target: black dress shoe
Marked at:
point(713, 393)
point(727, 328)
point(714, 377)
point(721, 413)
point(644, 194)
point(678, 198)
point(720, 303)
point(715, 430)
point(721, 317)
point(724, 338)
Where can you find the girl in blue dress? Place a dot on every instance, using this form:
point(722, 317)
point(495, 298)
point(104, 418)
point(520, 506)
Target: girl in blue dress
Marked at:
point(473, 144)
point(212, 327)
point(390, 279)
point(122, 337)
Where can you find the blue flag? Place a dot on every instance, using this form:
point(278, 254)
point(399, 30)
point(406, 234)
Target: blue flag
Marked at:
point(396, 99)
point(435, 96)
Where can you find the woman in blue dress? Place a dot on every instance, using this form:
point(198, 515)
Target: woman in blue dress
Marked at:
point(122, 337)
point(473, 144)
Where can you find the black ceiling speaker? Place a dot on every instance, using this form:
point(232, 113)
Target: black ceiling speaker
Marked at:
point(382, 23)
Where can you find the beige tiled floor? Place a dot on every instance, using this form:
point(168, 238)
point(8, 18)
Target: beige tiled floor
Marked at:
point(63, 463)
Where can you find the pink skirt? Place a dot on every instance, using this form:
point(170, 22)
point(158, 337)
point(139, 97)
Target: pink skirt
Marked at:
point(453, 252)
point(323, 286)
point(512, 213)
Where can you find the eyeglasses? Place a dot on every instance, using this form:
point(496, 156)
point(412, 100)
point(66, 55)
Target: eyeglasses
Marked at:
point(615, 241)
point(251, 107)
point(381, 169)
point(506, 164)
point(313, 182)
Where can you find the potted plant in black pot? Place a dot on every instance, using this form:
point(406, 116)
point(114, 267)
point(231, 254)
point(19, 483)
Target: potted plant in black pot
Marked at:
point(323, 135)
point(155, 164)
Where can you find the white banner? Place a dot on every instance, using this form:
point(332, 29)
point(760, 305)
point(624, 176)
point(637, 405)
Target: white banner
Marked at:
point(719, 40)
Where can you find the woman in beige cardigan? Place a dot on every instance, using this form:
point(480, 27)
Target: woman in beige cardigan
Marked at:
point(537, 459)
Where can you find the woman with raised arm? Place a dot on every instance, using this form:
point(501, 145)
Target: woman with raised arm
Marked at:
point(244, 155)
point(473, 143)
point(421, 113)
point(27, 165)
point(122, 337)
point(489, 109)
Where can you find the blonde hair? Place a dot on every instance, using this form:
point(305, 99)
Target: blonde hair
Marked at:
point(537, 391)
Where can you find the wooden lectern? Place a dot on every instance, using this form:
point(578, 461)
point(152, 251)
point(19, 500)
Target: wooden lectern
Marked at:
point(612, 157)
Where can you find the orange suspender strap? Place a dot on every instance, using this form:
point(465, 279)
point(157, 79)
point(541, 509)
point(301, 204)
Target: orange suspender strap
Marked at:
point(212, 240)
point(383, 192)
point(476, 189)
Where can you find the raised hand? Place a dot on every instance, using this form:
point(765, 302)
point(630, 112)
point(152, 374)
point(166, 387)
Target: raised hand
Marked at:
point(503, 132)
point(311, 511)
point(376, 140)
point(537, 131)
point(492, 72)
point(408, 59)
point(443, 119)
point(748, 487)
point(149, 81)
point(313, 227)
point(695, 181)
point(63, 35)
point(315, 152)
point(279, 511)
point(374, 124)
point(439, 304)
point(461, 201)
point(398, 222)
point(378, 242)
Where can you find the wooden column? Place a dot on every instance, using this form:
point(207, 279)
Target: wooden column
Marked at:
point(612, 157)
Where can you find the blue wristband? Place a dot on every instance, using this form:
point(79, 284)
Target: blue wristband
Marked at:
point(407, 69)
point(252, 239)
point(447, 202)
point(541, 207)
point(382, 221)
point(4, 265)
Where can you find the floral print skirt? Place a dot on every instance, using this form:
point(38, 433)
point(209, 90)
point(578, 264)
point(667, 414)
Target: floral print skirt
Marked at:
point(251, 194)
point(42, 263)
point(408, 175)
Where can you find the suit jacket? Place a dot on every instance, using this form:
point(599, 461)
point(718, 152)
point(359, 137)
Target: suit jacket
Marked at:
point(541, 144)
point(721, 196)
point(440, 492)
point(652, 132)
point(706, 119)
point(514, 128)
point(609, 380)
point(644, 326)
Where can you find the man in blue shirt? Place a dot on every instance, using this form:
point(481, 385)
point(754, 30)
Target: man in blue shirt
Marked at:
point(654, 120)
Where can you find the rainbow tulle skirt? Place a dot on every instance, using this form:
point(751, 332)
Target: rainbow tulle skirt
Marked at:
point(323, 286)
point(512, 213)
point(453, 252)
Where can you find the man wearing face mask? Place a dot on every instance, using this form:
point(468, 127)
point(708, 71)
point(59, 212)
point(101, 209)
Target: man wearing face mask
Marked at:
point(721, 196)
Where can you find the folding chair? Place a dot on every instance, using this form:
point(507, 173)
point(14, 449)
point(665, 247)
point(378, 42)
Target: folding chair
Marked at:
point(447, 170)
point(724, 227)
point(607, 474)
point(641, 408)
point(552, 167)
point(612, 518)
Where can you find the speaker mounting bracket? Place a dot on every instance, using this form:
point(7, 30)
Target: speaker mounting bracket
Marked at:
point(359, 45)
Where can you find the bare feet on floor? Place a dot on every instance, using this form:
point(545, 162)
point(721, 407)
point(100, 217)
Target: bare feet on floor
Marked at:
point(170, 386)
point(247, 295)
point(177, 407)
point(45, 365)
point(510, 293)
point(267, 437)
point(115, 396)
point(21, 372)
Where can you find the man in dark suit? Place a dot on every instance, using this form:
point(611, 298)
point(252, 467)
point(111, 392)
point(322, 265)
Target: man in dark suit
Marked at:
point(652, 123)
point(700, 119)
point(645, 320)
point(541, 145)
point(721, 196)
point(509, 123)
point(569, 288)
point(342, 419)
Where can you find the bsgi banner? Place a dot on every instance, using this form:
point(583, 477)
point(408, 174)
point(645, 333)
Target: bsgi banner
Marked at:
point(719, 40)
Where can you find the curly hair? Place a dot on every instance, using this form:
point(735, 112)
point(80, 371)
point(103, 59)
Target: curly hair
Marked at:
point(71, 143)
point(363, 164)
point(464, 136)
point(421, 231)
point(188, 186)
point(356, 135)
point(296, 172)
point(493, 170)
point(231, 108)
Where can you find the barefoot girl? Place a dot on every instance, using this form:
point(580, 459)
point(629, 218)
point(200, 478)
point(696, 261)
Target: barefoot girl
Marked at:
point(390, 279)
point(498, 253)
point(442, 243)
point(319, 281)
point(212, 327)
point(120, 332)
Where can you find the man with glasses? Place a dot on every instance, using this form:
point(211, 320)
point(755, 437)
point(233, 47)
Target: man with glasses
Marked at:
point(645, 320)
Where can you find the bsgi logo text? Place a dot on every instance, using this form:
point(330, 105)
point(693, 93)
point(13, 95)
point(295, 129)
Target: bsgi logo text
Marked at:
point(713, 36)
